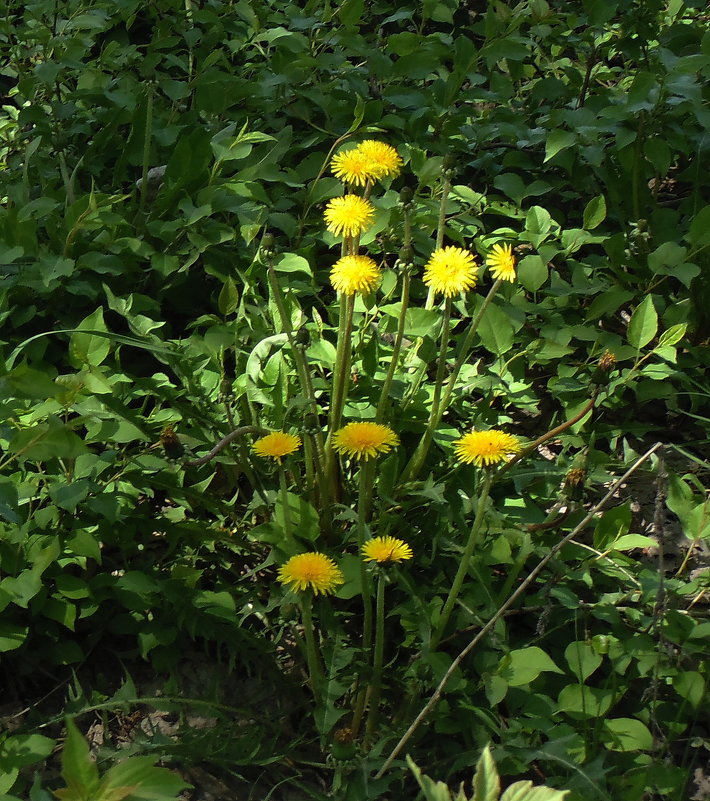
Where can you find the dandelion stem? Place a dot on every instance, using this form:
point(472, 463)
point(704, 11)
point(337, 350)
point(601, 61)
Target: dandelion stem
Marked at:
point(464, 561)
point(440, 228)
point(284, 501)
point(415, 463)
point(314, 667)
point(376, 680)
point(366, 476)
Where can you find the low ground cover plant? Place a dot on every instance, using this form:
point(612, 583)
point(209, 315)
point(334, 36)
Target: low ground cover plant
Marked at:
point(342, 371)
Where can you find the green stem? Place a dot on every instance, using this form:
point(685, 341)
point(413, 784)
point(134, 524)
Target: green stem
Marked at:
point(147, 138)
point(299, 358)
point(440, 228)
point(341, 373)
point(464, 561)
point(376, 680)
point(284, 501)
point(396, 350)
point(314, 666)
point(416, 462)
point(364, 501)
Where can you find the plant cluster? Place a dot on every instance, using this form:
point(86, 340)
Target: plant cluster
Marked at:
point(331, 369)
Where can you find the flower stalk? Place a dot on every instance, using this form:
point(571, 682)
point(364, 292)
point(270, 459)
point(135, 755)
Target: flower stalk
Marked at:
point(473, 539)
point(378, 659)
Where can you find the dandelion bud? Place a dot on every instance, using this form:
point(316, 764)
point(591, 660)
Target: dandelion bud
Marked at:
point(406, 196)
point(310, 423)
point(448, 164)
point(267, 246)
point(406, 258)
point(302, 338)
point(574, 483)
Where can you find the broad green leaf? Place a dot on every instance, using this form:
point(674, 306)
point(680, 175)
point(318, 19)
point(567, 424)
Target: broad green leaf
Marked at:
point(538, 220)
point(611, 525)
point(690, 684)
point(85, 348)
point(643, 325)
point(228, 299)
point(627, 734)
point(582, 659)
point(292, 263)
point(433, 791)
point(486, 783)
point(699, 233)
point(142, 781)
point(79, 770)
point(628, 542)
point(585, 702)
point(594, 212)
point(558, 140)
point(11, 635)
point(532, 272)
point(526, 791)
point(672, 335)
point(525, 665)
point(496, 330)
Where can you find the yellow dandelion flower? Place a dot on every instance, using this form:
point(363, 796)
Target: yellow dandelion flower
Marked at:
point(364, 440)
point(311, 571)
point(355, 274)
point(354, 167)
point(277, 445)
point(501, 262)
point(485, 448)
point(450, 270)
point(386, 549)
point(348, 215)
point(383, 160)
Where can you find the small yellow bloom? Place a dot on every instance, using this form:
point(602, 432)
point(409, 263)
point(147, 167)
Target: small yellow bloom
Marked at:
point(364, 440)
point(348, 215)
point(314, 571)
point(501, 262)
point(383, 160)
point(450, 270)
point(485, 448)
point(277, 445)
point(352, 274)
point(353, 167)
point(386, 549)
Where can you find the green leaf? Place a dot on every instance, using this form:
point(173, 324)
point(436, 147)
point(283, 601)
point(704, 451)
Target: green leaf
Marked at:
point(228, 299)
point(629, 542)
point(584, 702)
point(558, 140)
point(79, 770)
point(11, 635)
point(138, 778)
point(699, 233)
point(672, 335)
point(532, 272)
point(690, 684)
point(486, 782)
point(525, 665)
point(582, 659)
point(627, 734)
point(69, 496)
point(292, 263)
point(496, 330)
point(594, 212)
point(85, 348)
point(538, 220)
point(643, 325)
point(611, 525)
point(526, 791)
point(433, 791)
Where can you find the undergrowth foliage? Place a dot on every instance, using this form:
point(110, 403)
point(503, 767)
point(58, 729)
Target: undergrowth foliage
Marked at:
point(328, 332)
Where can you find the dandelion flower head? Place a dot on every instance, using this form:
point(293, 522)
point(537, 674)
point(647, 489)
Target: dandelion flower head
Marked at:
point(384, 161)
point(364, 440)
point(355, 273)
point(450, 270)
point(386, 549)
point(348, 215)
point(353, 167)
point(311, 571)
point(277, 445)
point(486, 448)
point(501, 262)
